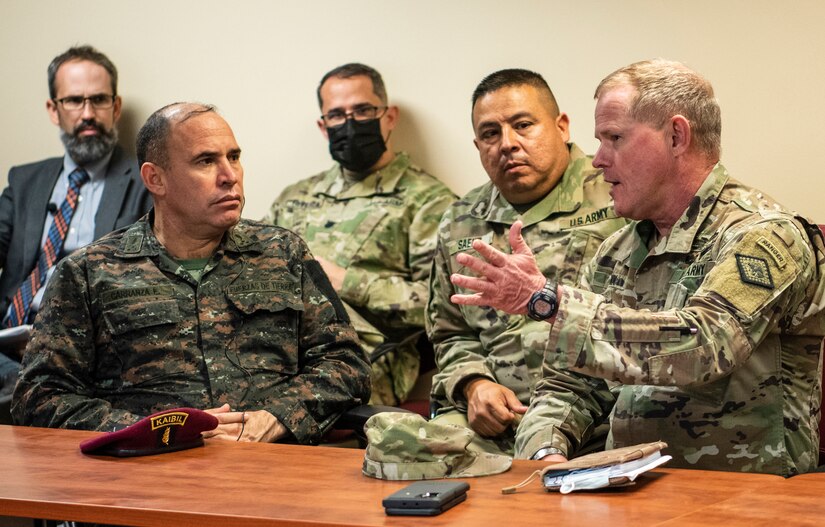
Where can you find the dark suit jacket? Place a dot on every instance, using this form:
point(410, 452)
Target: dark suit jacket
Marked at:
point(24, 204)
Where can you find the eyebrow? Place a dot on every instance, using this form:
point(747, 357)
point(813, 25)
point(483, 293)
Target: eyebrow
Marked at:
point(356, 105)
point(213, 153)
point(515, 117)
point(205, 154)
point(85, 96)
point(521, 115)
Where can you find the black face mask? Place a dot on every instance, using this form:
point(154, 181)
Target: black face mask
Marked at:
point(357, 145)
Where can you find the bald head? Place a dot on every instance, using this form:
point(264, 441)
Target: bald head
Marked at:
point(153, 137)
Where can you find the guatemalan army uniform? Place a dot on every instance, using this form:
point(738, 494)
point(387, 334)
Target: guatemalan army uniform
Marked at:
point(382, 230)
point(126, 331)
point(563, 229)
point(715, 330)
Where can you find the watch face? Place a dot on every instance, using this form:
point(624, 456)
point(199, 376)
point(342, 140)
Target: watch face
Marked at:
point(543, 304)
point(542, 307)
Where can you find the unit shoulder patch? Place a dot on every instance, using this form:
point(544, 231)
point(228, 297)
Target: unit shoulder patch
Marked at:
point(754, 270)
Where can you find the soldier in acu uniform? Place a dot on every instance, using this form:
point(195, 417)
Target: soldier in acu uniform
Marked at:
point(371, 221)
point(488, 360)
point(193, 306)
point(708, 309)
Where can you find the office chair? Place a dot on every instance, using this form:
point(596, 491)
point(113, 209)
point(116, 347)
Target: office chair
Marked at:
point(821, 420)
point(351, 424)
point(12, 343)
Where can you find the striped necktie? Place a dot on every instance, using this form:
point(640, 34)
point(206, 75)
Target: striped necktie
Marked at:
point(22, 300)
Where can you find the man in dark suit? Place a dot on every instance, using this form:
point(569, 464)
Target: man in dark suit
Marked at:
point(55, 206)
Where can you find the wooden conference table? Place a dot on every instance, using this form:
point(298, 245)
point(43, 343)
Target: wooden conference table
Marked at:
point(45, 476)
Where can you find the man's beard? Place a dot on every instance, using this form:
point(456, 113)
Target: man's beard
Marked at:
point(89, 149)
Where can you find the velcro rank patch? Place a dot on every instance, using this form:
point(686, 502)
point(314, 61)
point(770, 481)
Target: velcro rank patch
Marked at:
point(754, 270)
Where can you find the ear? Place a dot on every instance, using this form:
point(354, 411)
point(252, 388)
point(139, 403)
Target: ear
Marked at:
point(51, 107)
point(475, 142)
point(323, 128)
point(117, 107)
point(153, 177)
point(563, 124)
point(391, 117)
point(680, 134)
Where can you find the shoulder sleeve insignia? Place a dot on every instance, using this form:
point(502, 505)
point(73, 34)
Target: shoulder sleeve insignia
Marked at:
point(754, 270)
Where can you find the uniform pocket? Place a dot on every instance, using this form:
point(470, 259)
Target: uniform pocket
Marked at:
point(267, 338)
point(142, 333)
point(580, 248)
point(138, 315)
point(354, 233)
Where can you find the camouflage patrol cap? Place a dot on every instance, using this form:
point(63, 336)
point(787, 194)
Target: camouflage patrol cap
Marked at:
point(403, 446)
point(165, 431)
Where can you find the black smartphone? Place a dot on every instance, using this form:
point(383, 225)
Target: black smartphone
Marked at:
point(426, 498)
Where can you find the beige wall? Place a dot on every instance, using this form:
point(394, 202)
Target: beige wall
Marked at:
point(259, 61)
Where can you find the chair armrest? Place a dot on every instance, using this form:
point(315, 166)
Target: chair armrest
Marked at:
point(355, 418)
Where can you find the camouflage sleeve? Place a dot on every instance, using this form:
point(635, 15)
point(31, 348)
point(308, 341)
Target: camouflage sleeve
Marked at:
point(566, 406)
point(56, 387)
point(401, 300)
point(459, 353)
point(758, 283)
point(335, 371)
point(564, 410)
point(272, 217)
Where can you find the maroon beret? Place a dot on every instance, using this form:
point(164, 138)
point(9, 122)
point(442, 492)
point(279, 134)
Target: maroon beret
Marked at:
point(165, 431)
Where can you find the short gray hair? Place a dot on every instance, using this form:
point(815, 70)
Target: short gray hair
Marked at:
point(665, 88)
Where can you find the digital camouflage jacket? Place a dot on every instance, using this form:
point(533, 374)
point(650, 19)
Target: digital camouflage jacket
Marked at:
point(125, 331)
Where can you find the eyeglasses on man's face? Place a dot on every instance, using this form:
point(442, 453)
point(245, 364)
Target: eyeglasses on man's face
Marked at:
point(362, 112)
point(99, 101)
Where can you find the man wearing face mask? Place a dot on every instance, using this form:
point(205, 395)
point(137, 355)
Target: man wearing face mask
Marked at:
point(371, 222)
point(52, 207)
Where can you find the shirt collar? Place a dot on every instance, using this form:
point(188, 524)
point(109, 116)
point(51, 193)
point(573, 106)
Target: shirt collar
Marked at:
point(681, 237)
point(564, 198)
point(139, 240)
point(380, 182)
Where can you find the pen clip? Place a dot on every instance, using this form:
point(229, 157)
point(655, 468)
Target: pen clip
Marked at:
point(683, 330)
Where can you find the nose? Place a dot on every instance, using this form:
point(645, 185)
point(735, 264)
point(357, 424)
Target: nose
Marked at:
point(87, 111)
point(599, 159)
point(229, 173)
point(509, 140)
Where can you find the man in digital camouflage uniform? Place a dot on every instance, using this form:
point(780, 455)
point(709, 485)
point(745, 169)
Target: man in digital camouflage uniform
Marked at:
point(193, 307)
point(489, 361)
point(708, 309)
point(371, 221)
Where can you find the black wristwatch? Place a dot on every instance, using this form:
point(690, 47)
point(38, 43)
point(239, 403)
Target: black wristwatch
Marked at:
point(544, 302)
